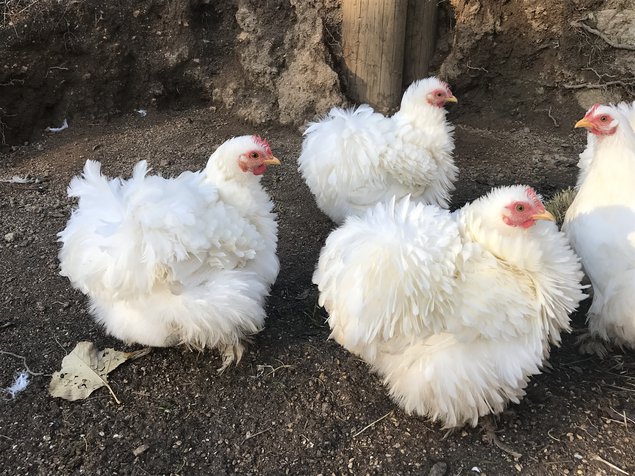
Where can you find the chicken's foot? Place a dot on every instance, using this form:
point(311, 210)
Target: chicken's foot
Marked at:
point(488, 423)
point(230, 353)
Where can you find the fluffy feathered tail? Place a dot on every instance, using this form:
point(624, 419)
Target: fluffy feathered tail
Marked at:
point(337, 154)
point(350, 132)
point(100, 251)
point(123, 231)
point(387, 274)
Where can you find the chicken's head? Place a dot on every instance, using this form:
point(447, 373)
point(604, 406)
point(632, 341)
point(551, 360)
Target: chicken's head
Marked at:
point(441, 95)
point(257, 157)
point(599, 120)
point(242, 157)
point(430, 91)
point(524, 209)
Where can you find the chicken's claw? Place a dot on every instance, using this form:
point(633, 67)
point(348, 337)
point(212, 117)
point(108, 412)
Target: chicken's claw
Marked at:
point(229, 354)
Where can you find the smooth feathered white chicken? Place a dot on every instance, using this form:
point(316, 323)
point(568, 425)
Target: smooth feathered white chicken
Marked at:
point(628, 110)
point(353, 159)
point(600, 223)
point(185, 260)
point(454, 311)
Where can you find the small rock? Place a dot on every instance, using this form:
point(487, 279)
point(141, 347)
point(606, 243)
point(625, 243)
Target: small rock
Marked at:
point(438, 469)
point(140, 449)
point(9, 237)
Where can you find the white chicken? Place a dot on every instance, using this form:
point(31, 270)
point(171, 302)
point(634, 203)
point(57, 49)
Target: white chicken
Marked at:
point(185, 260)
point(454, 310)
point(600, 223)
point(353, 159)
point(628, 110)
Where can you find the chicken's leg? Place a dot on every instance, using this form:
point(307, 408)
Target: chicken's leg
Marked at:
point(488, 423)
point(589, 343)
point(230, 353)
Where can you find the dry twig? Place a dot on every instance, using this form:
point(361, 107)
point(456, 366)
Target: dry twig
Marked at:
point(477, 68)
point(551, 436)
point(585, 27)
point(372, 424)
point(555, 121)
point(34, 374)
point(610, 465)
point(260, 369)
point(623, 415)
point(249, 435)
point(599, 85)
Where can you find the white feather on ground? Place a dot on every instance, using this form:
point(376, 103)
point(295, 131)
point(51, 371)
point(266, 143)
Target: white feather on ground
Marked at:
point(20, 383)
point(353, 159)
point(454, 311)
point(167, 261)
point(600, 224)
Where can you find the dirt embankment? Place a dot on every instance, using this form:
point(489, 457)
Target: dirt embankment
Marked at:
point(278, 61)
point(92, 60)
point(540, 61)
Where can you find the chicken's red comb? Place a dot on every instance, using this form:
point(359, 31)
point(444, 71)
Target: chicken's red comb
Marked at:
point(262, 143)
point(533, 196)
point(591, 111)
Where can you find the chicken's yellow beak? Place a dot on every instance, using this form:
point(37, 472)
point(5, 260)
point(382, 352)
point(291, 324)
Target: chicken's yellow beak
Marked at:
point(452, 98)
point(271, 161)
point(545, 215)
point(584, 122)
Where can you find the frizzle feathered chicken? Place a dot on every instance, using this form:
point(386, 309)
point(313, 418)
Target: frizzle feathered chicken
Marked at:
point(185, 260)
point(353, 159)
point(454, 310)
point(600, 223)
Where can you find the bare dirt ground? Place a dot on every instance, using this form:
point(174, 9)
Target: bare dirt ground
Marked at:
point(297, 403)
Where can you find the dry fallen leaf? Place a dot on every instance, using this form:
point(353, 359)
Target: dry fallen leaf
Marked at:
point(86, 369)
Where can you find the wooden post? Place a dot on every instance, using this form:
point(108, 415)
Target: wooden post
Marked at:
point(373, 38)
point(421, 26)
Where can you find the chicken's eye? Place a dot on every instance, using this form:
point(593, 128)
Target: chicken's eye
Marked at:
point(254, 155)
point(520, 207)
point(604, 118)
point(439, 94)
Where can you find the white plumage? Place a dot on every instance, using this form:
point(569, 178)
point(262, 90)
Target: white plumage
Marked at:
point(353, 159)
point(185, 260)
point(628, 110)
point(600, 223)
point(454, 311)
